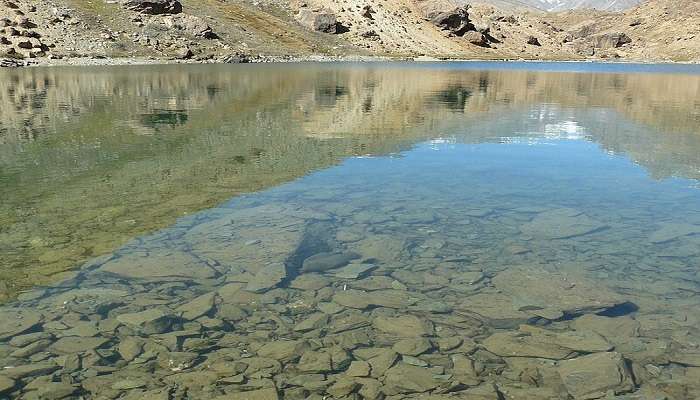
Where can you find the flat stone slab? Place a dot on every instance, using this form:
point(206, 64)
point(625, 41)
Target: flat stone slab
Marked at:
point(535, 289)
point(261, 394)
point(16, 321)
point(561, 223)
point(404, 326)
point(671, 231)
point(174, 265)
point(268, 277)
point(404, 378)
point(592, 376)
point(148, 321)
point(327, 261)
point(6, 384)
point(531, 341)
point(380, 298)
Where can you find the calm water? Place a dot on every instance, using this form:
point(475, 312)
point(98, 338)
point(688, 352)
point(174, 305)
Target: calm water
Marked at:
point(478, 231)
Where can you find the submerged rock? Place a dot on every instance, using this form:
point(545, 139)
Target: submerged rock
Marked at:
point(148, 322)
point(404, 378)
point(6, 384)
point(16, 321)
point(267, 278)
point(534, 289)
point(671, 231)
point(561, 224)
point(261, 394)
point(404, 326)
point(380, 298)
point(159, 266)
point(593, 376)
point(326, 261)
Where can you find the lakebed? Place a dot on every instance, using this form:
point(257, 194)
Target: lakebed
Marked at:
point(462, 230)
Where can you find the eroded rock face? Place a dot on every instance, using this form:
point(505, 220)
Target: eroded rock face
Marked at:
point(154, 7)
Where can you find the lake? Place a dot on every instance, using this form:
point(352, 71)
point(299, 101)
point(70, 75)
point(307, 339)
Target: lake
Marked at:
point(360, 231)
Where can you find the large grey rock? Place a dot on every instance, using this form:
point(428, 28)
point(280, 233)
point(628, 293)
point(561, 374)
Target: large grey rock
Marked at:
point(611, 40)
point(592, 376)
point(326, 261)
point(154, 7)
point(455, 21)
point(318, 20)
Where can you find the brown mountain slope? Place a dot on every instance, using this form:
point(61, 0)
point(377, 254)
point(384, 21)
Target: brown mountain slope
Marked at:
point(658, 30)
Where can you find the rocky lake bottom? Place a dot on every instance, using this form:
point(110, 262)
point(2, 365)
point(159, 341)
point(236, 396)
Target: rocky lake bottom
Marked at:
point(532, 265)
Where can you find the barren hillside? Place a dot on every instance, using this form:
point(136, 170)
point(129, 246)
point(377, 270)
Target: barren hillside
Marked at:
point(234, 31)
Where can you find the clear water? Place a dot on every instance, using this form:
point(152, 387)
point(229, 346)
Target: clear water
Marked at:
point(529, 231)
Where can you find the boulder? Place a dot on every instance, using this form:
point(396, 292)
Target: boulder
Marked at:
point(531, 40)
point(154, 7)
point(455, 21)
point(476, 38)
point(594, 375)
point(611, 40)
point(319, 20)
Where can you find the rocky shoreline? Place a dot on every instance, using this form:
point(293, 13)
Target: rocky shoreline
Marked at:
point(130, 31)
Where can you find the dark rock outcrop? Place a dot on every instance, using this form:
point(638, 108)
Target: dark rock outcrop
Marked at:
point(154, 7)
point(531, 40)
point(455, 21)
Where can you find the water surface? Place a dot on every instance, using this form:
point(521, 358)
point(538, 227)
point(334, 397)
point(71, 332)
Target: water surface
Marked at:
point(475, 230)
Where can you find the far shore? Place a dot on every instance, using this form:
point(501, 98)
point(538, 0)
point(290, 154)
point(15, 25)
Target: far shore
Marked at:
point(266, 59)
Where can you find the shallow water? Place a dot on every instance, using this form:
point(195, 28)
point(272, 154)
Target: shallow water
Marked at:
point(478, 230)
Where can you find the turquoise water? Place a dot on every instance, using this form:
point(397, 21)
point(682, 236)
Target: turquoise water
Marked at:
point(486, 231)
